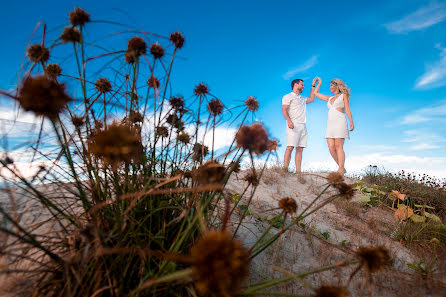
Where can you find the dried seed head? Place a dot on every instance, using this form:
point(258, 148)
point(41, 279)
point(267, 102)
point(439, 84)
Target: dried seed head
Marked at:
point(70, 34)
point(53, 71)
point(135, 48)
point(201, 89)
point(288, 204)
point(136, 117)
point(78, 121)
point(43, 96)
point(200, 151)
point(236, 166)
point(172, 119)
point(331, 291)
point(183, 137)
point(116, 143)
point(335, 178)
point(98, 125)
point(8, 160)
point(177, 102)
point(219, 264)
point(162, 131)
point(157, 50)
point(251, 178)
point(153, 82)
point(272, 145)
point(79, 17)
point(373, 258)
point(254, 138)
point(103, 85)
point(38, 53)
point(345, 190)
point(209, 173)
point(177, 39)
point(252, 103)
point(215, 107)
point(138, 45)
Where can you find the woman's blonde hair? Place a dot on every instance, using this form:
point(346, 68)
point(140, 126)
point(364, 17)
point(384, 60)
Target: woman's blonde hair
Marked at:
point(342, 87)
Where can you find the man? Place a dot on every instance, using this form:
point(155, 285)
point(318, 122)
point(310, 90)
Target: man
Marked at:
point(294, 111)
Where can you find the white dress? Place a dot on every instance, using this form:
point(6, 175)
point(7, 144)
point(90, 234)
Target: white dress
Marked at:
point(336, 122)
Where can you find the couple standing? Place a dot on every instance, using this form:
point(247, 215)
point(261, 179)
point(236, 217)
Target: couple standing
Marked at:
point(294, 111)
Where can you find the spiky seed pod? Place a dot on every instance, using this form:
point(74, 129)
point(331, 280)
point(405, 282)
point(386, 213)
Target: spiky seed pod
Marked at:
point(209, 173)
point(98, 125)
point(253, 138)
point(331, 291)
point(201, 90)
point(288, 204)
point(183, 137)
point(8, 160)
point(373, 258)
point(79, 17)
point(153, 82)
point(43, 96)
point(116, 143)
point(172, 119)
point(177, 39)
point(136, 47)
point(272, 145)
point(335, 178)
point(53, 70)
point(70, 34)
point(252, 103)
point(251, 178)
point(157, 50)
point(177, 102)
point(236, 166)
point(136, 117)
point(345, 190)
point(162, 131)
point(38, 53)
point(200, 151)
point(78, 121)
point(215, 107)
point(103, 85)
point(130, 57)
point(219, 264)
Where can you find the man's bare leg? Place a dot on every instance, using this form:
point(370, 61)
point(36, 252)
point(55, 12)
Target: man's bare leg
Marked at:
point(298, 160)
point(287, 157)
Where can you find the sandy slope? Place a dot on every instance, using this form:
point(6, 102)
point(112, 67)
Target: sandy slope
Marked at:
point(348, 226)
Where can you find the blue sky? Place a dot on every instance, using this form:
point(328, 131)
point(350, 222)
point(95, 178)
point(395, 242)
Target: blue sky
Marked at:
point(392, 54)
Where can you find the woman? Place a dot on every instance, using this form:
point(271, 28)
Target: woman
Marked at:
point(337, 130)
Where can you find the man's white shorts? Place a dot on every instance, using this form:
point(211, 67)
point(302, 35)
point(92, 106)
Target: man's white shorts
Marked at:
point(296, 136)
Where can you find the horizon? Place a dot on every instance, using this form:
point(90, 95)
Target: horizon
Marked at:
point(390, 54)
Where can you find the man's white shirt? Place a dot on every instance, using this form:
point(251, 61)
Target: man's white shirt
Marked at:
point(296, 107)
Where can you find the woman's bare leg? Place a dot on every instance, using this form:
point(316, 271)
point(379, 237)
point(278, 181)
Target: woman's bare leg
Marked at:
point(332, 149)
point(339, 144)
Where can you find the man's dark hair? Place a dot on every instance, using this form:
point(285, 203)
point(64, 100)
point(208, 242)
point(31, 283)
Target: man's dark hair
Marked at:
point(295, 81)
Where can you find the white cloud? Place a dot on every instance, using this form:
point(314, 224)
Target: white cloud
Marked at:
point(380, 147)
point(426, 114)
point(302, 68)
point(420, 19)
point(422, 139)
point(424, 146)
point(435, 74)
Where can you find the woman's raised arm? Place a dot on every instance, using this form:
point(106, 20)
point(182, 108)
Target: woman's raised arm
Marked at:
point(316, 91)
